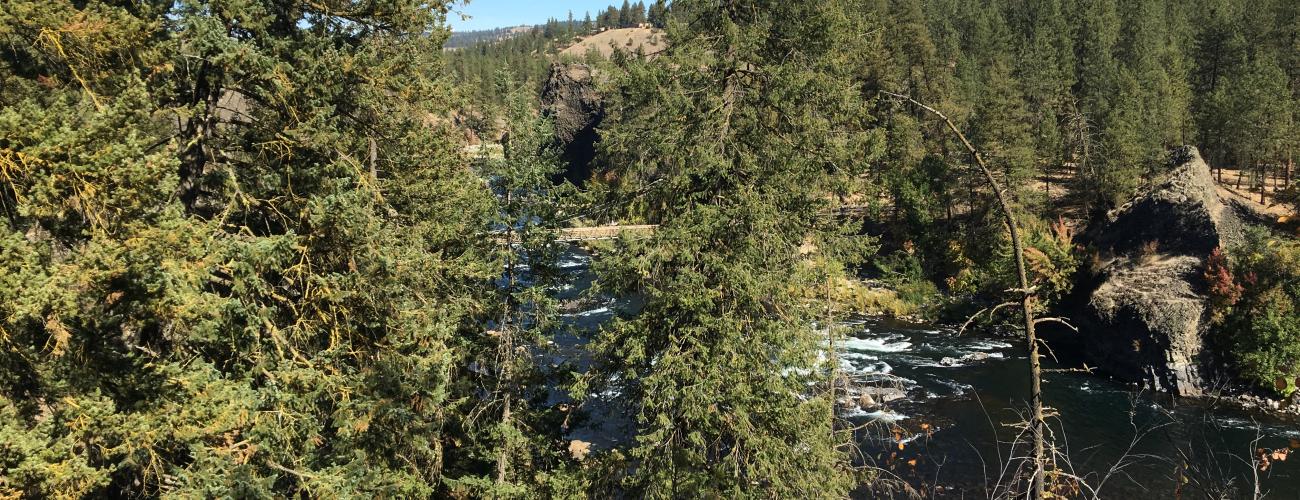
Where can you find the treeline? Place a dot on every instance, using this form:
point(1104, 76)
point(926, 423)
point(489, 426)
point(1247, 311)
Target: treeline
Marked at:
point(630, 15)
point(526, 55)
point(462, 39)
point(1104, 88)
point(1076, 104)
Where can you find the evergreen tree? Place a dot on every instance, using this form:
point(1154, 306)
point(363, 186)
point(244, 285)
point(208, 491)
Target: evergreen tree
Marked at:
point(1000, 126)
point(1149, 54)
point(657, 16)
point(625, 15)
point(1259, 115)
point(520, 434)
point(611, 17)
point(638, 13)
point(913, 49)
point(718, 362)
point(1219, 48)
point(1045, 69)
point(236, 259)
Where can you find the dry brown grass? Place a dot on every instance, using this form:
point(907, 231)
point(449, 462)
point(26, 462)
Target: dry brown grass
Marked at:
point(649, 40)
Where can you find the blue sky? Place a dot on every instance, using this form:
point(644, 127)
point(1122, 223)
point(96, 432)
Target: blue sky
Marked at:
point(486, 14)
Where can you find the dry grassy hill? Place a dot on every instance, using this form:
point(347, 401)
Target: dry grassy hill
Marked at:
point(650, 40)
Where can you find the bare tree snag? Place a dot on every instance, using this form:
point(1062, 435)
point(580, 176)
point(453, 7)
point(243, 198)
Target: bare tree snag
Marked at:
point(1036, 425)
point(374, 157)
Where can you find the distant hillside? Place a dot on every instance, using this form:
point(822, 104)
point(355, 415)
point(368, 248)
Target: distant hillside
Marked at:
point(649, 40)
point(479, 59)
point(462, 39)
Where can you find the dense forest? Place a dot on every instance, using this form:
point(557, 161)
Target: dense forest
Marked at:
point(246, 253)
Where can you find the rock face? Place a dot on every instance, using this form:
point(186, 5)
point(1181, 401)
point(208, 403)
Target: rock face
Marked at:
point(571, 100)
point(1144, 315)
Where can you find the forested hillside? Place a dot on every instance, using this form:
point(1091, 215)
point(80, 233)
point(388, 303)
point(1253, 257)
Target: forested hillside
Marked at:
point(462, 39)
point(246, 251)
point(526, 54)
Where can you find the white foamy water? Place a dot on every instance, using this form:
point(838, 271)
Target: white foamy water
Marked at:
point(866, 367)
point(988, 345)
point(877, 415)
point(593, 312)
point(877, 344)
point(573, 262)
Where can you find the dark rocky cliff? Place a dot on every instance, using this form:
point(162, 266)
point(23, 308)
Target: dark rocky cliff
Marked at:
point(1142, 311)
point(570, 98)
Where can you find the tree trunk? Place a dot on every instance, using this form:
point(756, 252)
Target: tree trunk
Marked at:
point(833, 356)
point(1047, 184)
point(197, 133)
point(506, 351)
point(503, 458)
point(1036, 425)
point(1263, 182)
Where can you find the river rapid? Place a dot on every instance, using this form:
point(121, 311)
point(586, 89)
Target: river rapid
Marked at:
point(943, 407)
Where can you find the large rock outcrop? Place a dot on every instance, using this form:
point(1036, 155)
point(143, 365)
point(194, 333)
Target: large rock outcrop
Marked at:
point(1144, 311)
point(573, 102)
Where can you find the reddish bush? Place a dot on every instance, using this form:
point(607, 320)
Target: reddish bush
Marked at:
point(1223, 289)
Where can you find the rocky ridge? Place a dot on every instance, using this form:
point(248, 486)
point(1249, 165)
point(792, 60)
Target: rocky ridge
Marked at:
point(1144, 317)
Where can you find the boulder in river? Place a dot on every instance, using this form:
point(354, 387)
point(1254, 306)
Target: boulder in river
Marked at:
point(1144, 314)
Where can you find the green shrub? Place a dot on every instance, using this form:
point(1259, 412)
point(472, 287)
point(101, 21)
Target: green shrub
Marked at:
point(1261, 331)
point(1051, 258)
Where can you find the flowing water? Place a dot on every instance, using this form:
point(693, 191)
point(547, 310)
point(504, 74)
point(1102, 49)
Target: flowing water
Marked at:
point(945, 404)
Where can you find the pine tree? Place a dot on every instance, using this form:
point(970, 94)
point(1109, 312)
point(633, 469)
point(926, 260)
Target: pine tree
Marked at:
point(1219, 48)
point(1149, 52)
point(235, 254)
point(1000, 126)
point(657, 15)
point(1045, 70)
point(717, 363)
point(517, 435)
point(625, 15)
point(611, 17)
point(1259, 111)
point(638, 13)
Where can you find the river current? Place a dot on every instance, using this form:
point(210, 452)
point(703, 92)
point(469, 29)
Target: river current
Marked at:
point(943, 406)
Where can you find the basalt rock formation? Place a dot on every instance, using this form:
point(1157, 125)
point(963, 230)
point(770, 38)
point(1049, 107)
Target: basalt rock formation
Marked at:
point(1143, 313)
point(570, 98)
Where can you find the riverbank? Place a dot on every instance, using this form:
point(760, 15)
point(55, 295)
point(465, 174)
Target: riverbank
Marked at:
point(940, 409)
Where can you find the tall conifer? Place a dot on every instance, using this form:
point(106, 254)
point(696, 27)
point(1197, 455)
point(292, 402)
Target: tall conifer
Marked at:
point(717, 365)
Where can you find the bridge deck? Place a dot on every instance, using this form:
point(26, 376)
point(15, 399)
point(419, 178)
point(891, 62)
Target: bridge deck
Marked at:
point(572, 234)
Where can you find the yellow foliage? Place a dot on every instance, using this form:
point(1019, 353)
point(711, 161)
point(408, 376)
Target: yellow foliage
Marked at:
point(59, 335)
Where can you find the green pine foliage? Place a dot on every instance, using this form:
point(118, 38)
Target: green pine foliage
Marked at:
point(717, 364)
point(1075, 103)
point(236, 259)
point(518, 431)
point(527, 55)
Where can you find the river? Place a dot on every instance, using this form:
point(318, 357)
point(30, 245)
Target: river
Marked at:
point(947, 427)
